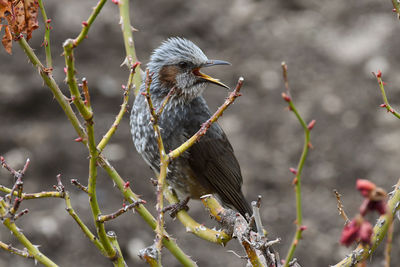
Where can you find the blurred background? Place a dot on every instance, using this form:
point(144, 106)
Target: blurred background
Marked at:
point(331, 48)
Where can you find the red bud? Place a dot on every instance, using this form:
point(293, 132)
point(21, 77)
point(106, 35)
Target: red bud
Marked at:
point(382, 105)
point(311, 125)
point(379, 74)
point(303, 228)
point(126, 185)
point(365, 232)
point(286, 97)
point(79, 139)
point(48, 21)
point(293, 170)
point(350, 232)
point(84, 23)
point(365, 187)
point(137, 63)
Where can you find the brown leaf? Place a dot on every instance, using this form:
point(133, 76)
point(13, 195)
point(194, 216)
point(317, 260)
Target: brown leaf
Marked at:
point(7, 40)
point(31, 17)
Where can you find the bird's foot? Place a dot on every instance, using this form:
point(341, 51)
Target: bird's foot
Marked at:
point(175, 208)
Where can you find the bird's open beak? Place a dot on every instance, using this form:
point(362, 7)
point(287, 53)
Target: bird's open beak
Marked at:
point(210, 63)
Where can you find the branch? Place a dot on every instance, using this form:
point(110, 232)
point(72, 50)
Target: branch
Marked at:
point(205, 126)
point(385, 100)
point(129, 43)
point(46, 41)
point(11, 249)
point(380, 230)
point(122, 111)
point(104, 218)
point(86, 24)
point(256, 245)
point(32, 249)
point(297, 180)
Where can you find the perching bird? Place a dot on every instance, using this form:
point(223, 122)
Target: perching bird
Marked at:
point(209, 166)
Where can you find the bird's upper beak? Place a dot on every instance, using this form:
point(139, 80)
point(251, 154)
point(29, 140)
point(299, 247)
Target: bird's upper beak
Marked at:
point(210, 63)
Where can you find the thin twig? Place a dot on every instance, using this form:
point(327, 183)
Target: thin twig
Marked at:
point(23, 253)
point(106, 138)
point(46, 41)
point(163, 167)
point(32, 249)
point(104, 218)
point(205, 126)
point(297, 180)
point(385, 100)
point(340, 207)
point(79, 185)
point(86, 24)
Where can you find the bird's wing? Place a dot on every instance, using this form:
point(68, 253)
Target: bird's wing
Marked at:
point(216, 167)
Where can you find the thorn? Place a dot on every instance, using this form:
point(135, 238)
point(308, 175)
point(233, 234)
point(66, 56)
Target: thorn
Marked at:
point(293, 170)
point(295, 180)
point(286, 97)
point(126, 185)
point(137, 63)
point(79, 139)
point(310, 145)
point(311, 125)
point(65, 70)
point(382, 105)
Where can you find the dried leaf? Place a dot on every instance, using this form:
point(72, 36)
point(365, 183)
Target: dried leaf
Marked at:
point(31, 17)
point(7, 40)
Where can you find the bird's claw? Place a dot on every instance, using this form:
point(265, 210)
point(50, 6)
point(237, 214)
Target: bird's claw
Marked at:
point(175, 208)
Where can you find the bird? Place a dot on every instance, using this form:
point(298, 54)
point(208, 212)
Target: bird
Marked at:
point(209, 166)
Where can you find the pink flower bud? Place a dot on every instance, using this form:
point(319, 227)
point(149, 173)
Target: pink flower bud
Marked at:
point(365, 187)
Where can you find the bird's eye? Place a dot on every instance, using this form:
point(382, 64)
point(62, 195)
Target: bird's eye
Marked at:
point(182, 64)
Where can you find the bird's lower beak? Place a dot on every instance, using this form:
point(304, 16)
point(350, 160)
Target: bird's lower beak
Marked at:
point(210, 63)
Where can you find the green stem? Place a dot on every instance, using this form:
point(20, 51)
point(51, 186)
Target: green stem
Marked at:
point(86, 25)
point(126, 28)
point(83, 227)
point(385, 100)
point(51, 83)
point(300, 165)
point(46, 35)
point(168, 241)
point(71, 80)
point(40, 257)
point(94, 205)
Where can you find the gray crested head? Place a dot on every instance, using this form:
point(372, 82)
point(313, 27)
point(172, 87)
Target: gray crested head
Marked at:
point(176, 63)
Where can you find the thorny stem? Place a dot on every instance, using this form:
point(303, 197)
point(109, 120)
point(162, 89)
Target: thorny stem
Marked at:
point(85, 111)
point(122, 111)
point(46, 41)
point(205, 126)
point(104, 218)
point(33, 250)
point(51, 83)
point(340, 207)
point(11, 249)
point(83, 227)
point(43, 194)
point(86, 25)
point(127, 28)
point(169, 242)
point(163, 168)
point(380, 229)
point(385, 100)
point(300, 165)
point(389, 242)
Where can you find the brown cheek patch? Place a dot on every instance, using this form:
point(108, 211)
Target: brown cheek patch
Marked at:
point(167, 76)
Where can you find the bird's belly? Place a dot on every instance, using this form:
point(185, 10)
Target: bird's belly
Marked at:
point(184, 181)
